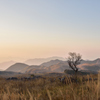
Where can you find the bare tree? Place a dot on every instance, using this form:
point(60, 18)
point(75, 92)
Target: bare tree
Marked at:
point(73, 60)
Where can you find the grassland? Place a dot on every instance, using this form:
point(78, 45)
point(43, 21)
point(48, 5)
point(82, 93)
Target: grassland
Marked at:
point(50, 88)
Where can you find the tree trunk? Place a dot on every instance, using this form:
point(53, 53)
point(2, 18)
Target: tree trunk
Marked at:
point(76, 73)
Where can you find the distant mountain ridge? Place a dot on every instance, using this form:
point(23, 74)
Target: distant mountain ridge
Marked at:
point(54, 66)
point(38, 61)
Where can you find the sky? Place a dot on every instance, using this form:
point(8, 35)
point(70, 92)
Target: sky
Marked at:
point(44, 28)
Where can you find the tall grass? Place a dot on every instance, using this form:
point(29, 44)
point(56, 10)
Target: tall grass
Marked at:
point(48, 89)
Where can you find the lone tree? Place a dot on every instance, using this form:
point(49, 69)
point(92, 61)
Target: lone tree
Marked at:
point(73, 60)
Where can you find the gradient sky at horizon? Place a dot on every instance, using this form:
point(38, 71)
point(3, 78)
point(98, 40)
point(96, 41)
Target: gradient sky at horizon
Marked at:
point(45, 28)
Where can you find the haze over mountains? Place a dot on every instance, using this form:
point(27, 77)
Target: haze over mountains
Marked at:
point(54, 66)
point(36, 61)
point(5, 65)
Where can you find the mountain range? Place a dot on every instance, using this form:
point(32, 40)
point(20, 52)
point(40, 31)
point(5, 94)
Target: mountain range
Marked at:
point(54, 66)
point(35, 61)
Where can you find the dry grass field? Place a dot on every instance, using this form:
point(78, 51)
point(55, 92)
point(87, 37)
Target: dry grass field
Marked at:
point(50, 88)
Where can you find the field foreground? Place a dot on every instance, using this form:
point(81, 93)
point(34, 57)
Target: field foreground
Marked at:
point(50, 88)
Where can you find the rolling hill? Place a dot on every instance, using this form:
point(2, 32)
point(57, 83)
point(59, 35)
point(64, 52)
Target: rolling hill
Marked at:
point(18, 67)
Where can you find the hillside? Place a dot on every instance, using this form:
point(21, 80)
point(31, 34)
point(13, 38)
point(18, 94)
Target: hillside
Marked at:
point(28, 68)
point(18, 67)
point(90, 65)
point(50, 63)
point(60, 66)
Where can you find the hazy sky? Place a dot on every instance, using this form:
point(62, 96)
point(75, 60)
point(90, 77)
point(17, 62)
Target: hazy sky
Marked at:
point(44, 28)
